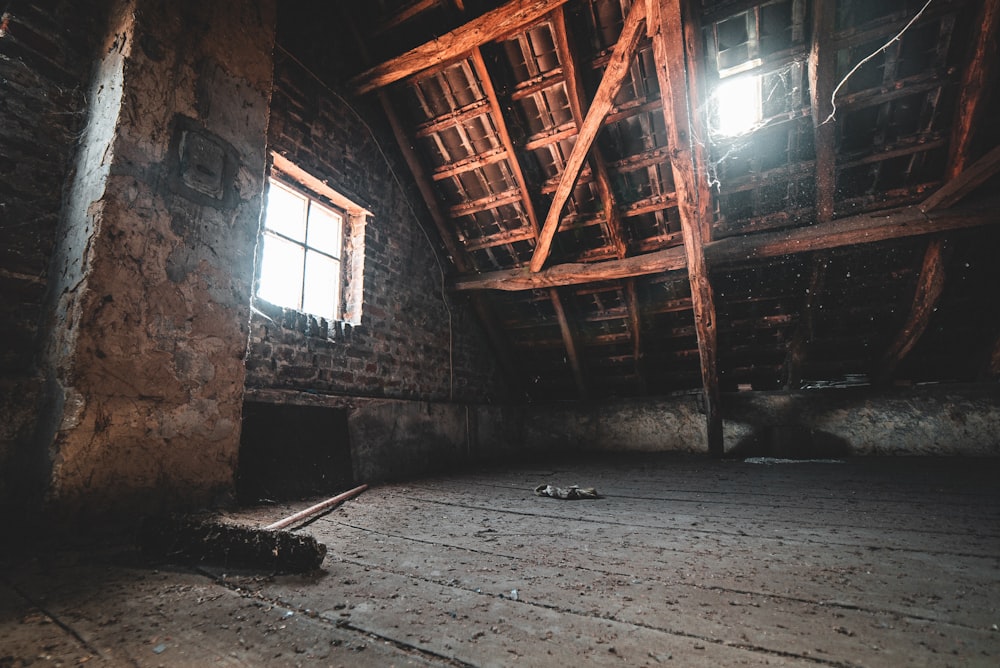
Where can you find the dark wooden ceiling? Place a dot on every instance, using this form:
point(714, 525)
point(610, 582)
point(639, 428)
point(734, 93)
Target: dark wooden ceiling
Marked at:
point(617, 242)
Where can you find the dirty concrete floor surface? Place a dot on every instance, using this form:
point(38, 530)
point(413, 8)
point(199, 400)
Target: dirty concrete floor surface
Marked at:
point(684, 562)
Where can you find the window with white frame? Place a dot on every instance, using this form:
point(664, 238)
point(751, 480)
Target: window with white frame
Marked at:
point(312, 246)
point(301, 261)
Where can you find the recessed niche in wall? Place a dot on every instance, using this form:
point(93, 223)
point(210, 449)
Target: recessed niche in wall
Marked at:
point(292, 452)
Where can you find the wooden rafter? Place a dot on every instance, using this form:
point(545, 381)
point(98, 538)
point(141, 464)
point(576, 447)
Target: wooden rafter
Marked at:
point(611, 82)
point(491, 26)
point(479, 303)
point(501, 127)
point(976, 80)
point(930, 285)
point(866, 228)
point(406, 13)
point(575, 95)
point(671, 45)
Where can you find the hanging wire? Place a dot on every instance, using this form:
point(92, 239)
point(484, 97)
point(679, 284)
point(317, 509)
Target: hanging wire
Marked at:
point(833, 96)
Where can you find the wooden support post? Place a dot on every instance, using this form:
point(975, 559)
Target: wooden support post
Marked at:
point(569, 341)
point(805, 331)
point(822, 69)
point(694, 198)
point(614, 74)
point(489, 27)
point(635, 323)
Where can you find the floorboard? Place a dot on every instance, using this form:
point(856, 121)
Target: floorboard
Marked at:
point(683, 561)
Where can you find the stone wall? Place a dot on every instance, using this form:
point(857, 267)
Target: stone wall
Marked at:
point(46, 51)
point(932, 420)
point(151, 279)
point(412, 342)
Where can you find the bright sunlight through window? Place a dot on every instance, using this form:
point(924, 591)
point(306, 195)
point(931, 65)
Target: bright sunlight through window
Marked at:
point(300, 264)
point(737, 105)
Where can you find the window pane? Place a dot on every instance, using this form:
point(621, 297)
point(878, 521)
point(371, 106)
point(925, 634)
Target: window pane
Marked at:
point(286, 211)
point(325, 227)
point(281, 272)
point(322, 293)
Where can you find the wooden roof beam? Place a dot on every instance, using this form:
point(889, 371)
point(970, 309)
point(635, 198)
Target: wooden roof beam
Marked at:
point(572, 273)
point(676, 36)
point(490, 27)
point(617, 69)
point(865, 228)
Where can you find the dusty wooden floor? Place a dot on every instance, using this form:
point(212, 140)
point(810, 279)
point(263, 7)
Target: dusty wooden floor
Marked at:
point(685, 562)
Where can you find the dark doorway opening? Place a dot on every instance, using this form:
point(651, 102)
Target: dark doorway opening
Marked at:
point(292, 452)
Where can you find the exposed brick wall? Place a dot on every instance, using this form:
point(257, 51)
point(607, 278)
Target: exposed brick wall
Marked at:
point(46, 50)
point(401, 349)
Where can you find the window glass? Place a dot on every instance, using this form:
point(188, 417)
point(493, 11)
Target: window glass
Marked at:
point(286, 211)
point(325, 227)
point(281, 271)
point(300, 255)
point(322, 285)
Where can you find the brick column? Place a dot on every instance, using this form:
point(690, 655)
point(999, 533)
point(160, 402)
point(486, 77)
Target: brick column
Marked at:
point(152, 276)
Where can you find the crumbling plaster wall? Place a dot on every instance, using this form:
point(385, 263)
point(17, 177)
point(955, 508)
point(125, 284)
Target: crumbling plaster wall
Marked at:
point(46, 49)
point(411, 343)
point(151, 280)
point(931, 420)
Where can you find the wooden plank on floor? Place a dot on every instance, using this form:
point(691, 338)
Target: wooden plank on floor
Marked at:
point(780, 626)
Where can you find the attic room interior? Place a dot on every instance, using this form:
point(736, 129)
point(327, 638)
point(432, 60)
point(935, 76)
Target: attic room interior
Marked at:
point(722, 272)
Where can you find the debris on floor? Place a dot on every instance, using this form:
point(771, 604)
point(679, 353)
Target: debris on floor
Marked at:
point(572, 492)
point(208, 541)
point(777, 460)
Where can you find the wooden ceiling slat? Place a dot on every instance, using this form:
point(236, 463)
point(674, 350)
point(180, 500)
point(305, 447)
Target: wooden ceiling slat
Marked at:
point(479, 161)
point(490, 27)
point(471, 110)
point(484, 203)
point(615, 73)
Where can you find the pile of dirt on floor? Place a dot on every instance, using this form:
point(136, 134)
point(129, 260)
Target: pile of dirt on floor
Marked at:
point(207, 541)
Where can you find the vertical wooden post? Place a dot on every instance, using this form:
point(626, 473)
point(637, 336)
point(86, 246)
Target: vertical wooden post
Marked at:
point(694, 197)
